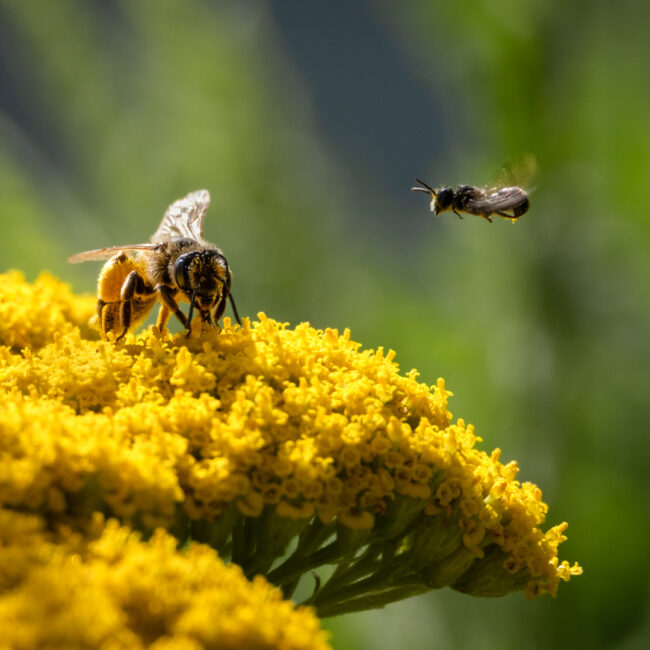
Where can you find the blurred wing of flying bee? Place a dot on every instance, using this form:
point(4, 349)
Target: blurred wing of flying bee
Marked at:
point(522, 171)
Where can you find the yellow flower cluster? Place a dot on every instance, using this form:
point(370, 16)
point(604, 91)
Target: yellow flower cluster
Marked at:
point(31, 315)
point(248, 437)
point(109, 589)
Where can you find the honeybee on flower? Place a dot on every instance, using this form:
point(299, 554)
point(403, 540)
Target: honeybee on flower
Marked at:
point(177, 264)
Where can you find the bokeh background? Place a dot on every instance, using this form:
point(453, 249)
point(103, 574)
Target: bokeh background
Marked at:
point(308, 121)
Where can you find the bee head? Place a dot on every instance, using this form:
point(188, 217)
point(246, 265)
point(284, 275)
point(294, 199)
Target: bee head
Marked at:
point(443, 200)
point(202, 276)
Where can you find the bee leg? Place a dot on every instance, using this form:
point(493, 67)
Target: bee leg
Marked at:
point(100, 321)
point(219, 309)
point(487, 216)
point(163, 317)
point(458, 214)
point(133, 283)
point(169, 300)
point(102, 317)
point(234, 308)
point(507, 216)
point(100, 308)
point(232, 300)
point(188, 327)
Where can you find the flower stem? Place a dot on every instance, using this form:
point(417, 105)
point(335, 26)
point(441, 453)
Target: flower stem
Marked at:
point(362, 601)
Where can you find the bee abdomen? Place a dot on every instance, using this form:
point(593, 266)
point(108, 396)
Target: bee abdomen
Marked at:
point(521, 208)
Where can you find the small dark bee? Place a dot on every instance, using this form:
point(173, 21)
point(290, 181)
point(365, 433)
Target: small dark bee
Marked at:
point(477, 201)
point(177, 264)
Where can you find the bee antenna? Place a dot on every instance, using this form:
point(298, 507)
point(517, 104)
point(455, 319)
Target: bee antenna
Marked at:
point(425, 188)
point(234, 307)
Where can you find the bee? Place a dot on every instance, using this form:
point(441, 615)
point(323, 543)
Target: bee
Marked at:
point(177, 264)
point(478, 201)
point(504, 196)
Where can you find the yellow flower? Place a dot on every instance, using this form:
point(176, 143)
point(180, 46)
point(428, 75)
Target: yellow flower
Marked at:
point(108, 588)
point(32, 314)
point(252, 436)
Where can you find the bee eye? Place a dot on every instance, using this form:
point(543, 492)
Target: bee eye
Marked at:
point(445, 197)
point(181, 270)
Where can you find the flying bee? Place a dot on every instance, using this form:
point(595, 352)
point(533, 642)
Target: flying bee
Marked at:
point(504, 197)
point(477, 201)
point(178, 264)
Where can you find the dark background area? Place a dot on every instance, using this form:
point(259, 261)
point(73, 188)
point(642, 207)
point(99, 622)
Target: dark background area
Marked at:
point(308, 123)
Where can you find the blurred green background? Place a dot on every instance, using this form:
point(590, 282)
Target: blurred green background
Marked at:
point(308, 122)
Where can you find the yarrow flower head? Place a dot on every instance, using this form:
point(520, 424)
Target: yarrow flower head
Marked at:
point(108, 588)
point(285, 449)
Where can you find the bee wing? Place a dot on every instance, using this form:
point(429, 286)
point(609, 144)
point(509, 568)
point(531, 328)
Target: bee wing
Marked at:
point(503, 199)
point(184, 218)
point(519, 172)
point(106, 253)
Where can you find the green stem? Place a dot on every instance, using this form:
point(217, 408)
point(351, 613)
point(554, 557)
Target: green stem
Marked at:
point(310, 539)
point(349, 572)
point(314, 535)
point(374, 584)
point(239, 542)
point(369, 601)
point(296, 565)
point(289, 587)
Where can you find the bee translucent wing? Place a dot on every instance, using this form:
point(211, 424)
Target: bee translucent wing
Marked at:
point(106, 253)
point(503, 199)
point(519, 172)
point(184, 218)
